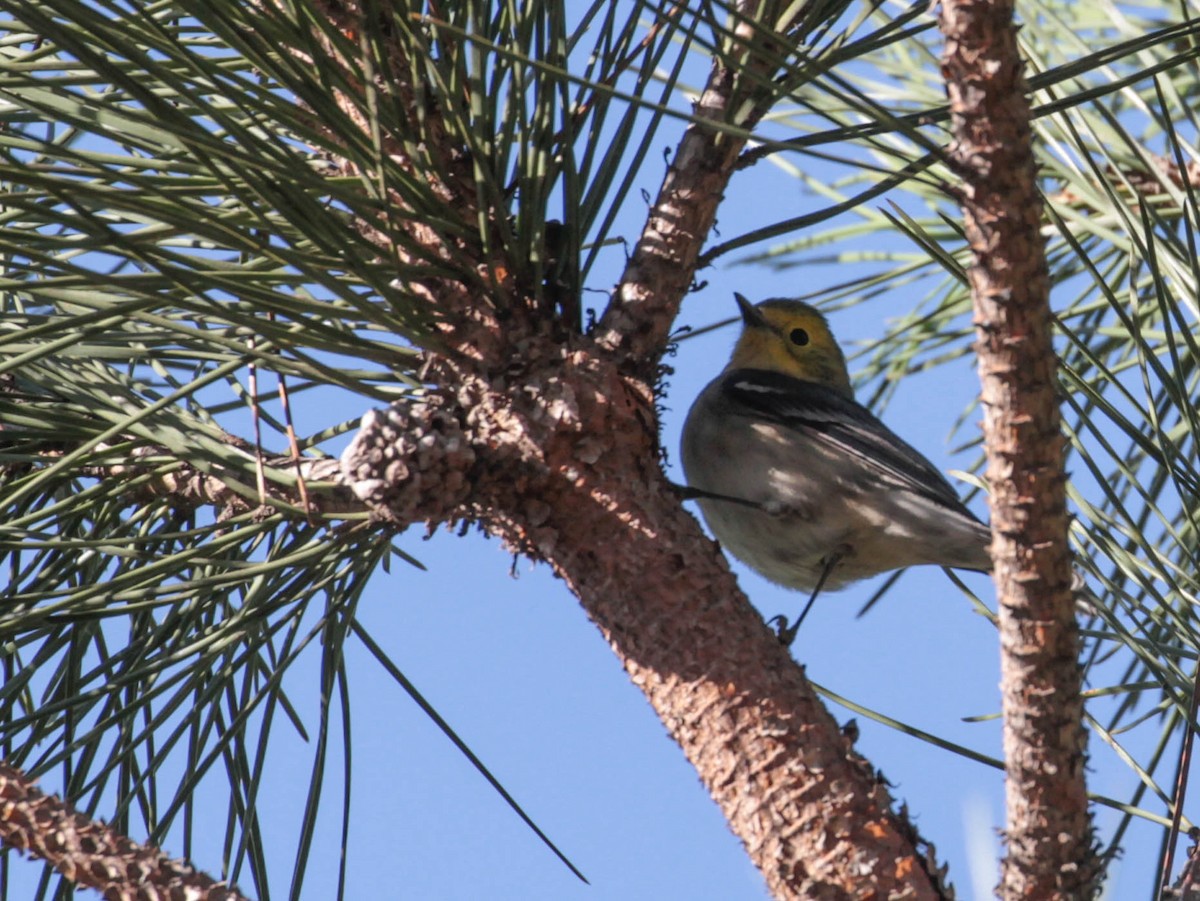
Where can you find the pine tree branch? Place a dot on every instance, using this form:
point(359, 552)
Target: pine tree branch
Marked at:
point(91, 854)
point(550, 441)
point(1050, 844)
point(186, 486)
point(739, 92)
point(565, 468)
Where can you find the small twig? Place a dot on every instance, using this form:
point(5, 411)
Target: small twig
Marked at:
point(260, 474)
point(1185, 763)
point(293, 444)
point(1187, 887)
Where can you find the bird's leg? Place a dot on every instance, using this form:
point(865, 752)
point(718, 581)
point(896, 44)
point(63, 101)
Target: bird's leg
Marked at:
point(786, 633)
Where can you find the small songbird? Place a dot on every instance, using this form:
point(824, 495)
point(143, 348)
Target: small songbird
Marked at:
point(803, 483)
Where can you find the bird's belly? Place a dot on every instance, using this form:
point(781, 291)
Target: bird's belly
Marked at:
point(786, 520)
point(790, 542)
point(788, 545)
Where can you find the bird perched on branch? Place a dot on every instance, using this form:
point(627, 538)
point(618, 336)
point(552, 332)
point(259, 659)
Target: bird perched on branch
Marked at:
point(803, 483)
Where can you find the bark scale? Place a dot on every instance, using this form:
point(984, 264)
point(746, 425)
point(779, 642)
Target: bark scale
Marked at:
point(91, 854)
point(1050, 845)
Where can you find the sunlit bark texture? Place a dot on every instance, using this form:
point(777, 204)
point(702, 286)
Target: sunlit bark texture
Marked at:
point(1048, 831)
point(90, 853)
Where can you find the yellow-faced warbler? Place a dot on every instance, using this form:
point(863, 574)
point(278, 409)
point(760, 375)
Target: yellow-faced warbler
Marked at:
point(803, 483)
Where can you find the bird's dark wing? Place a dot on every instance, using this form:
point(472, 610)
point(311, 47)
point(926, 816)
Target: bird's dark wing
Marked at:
point(842, 424)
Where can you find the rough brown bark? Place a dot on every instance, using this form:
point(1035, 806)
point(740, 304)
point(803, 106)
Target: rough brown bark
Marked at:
point(1048, 832)
point(93, 855)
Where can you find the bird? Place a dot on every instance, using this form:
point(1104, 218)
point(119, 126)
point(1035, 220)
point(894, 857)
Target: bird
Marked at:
point(804, 484)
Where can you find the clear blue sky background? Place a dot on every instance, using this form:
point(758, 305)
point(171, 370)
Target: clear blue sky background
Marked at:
point(529, 683)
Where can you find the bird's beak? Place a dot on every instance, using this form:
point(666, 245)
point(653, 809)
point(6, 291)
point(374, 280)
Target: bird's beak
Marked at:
point(751, 315)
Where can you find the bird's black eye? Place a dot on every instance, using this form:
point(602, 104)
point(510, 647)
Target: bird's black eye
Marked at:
point(798, 336)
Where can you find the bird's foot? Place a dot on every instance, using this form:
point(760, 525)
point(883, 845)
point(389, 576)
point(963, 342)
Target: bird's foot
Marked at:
point(785, 633)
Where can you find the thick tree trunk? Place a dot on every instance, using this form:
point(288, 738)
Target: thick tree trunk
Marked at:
point(1048, 831)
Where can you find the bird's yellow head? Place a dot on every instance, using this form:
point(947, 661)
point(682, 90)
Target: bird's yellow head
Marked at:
point(791, 337)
